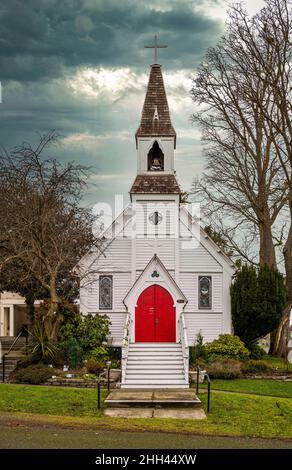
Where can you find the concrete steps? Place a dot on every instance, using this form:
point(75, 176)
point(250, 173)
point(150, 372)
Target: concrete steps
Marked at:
point(155, 365)
point(14, 356)
point(155, 403)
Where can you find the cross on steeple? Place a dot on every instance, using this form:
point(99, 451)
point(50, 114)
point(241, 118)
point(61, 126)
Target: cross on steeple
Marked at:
point(155, 46)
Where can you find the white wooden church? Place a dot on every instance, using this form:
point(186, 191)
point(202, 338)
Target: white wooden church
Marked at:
point(158, 277)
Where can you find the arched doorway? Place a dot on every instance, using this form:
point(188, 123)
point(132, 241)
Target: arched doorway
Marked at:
point(155, 316)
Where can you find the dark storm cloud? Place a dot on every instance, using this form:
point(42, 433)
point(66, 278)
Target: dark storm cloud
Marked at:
point(44, 44)
point(41, 38)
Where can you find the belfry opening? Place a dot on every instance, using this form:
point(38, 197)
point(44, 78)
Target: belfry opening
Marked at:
point(155, 158)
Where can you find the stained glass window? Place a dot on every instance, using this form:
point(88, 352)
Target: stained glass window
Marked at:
point(205, 292)
point(105, 292)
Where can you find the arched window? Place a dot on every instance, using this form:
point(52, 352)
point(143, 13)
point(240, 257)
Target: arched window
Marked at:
point(105, 292)
point(155, 158)
point(205, 292)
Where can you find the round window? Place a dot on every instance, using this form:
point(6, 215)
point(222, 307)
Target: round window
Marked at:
point(155, 218)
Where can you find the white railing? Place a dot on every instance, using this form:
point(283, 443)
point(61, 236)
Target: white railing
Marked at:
point(125, 347)
point(185, 346)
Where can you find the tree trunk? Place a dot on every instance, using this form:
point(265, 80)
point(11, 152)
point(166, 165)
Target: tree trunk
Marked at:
point(267, 248)
point(282, 334)
point(281, 338)
point(29, 300)
point(53, 317)
point(267, 258)
point(288, 260)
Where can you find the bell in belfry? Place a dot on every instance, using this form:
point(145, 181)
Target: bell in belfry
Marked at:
point(156, 164)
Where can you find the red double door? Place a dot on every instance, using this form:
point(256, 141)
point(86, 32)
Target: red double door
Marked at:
point(155, 316)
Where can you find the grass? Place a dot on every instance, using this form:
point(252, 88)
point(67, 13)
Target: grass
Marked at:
point(49, 400)
point(231, 414)
point(273, 387)
point(278, 363)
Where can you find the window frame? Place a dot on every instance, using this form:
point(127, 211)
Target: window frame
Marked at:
point(201, 276)
point(112, 292)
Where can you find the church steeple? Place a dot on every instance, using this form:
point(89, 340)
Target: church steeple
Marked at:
point(155, 120)
point(155, 141)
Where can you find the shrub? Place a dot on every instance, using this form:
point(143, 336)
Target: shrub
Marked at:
point(227, 369)
point(34, 374)
point(198, 351)
point(227, 346)
point(89, 331)
point(256, 351)
point(256, 367)
point(258, 297)
point(73, 353)
point(94, 367)
point(99, 354)
point(40, 348)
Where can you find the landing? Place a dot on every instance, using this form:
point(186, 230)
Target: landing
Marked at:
point(155, 403)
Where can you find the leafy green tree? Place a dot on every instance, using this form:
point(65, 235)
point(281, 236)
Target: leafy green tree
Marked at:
point(90, 331)
point(258, 297)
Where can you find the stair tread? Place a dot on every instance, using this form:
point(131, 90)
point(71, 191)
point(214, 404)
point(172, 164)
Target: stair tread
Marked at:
point(155, 365)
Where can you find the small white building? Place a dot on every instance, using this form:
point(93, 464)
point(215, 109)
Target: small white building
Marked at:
point(158, 277)
point(13, 314)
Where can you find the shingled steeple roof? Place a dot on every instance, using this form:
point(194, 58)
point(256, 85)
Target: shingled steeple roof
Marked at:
point(155, 120)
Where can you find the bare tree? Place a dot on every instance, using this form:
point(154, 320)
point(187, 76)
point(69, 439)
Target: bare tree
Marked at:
point(273, 65)
point(43, 225)
point(243, 183)
point(246, 83)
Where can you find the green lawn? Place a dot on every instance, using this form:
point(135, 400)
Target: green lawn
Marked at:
point(278, 363)
point(276, 388)
point(231, 414)
point(49, 400)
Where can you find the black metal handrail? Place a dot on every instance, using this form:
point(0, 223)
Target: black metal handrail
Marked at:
point(209, 392)
point(209, 387)
point(107, 374)
point(20, 334)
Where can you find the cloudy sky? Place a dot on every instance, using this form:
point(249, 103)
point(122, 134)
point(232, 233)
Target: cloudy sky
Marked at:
point(79, 66)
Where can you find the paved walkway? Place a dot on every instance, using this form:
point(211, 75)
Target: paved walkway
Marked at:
point(51, 437)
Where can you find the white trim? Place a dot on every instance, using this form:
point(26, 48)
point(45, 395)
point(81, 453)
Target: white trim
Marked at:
point(146, 280)
point(226, 304)
point(198, 293)
point(108, 273)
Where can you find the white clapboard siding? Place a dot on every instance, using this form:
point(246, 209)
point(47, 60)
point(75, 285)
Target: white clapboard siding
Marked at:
point(210, 325)
point(122, 285)
point(92, 297)
point(116, 257)
point(189, 286)
point(146, 248)
point(194, 257)
point(166, 252)
point(117, 320)
point(89, 293)
point(168, 211)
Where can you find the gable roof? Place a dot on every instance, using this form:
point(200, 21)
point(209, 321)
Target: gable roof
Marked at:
point(156, 261)
point(185, 218)
point(155, 119)
point(205, 240)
